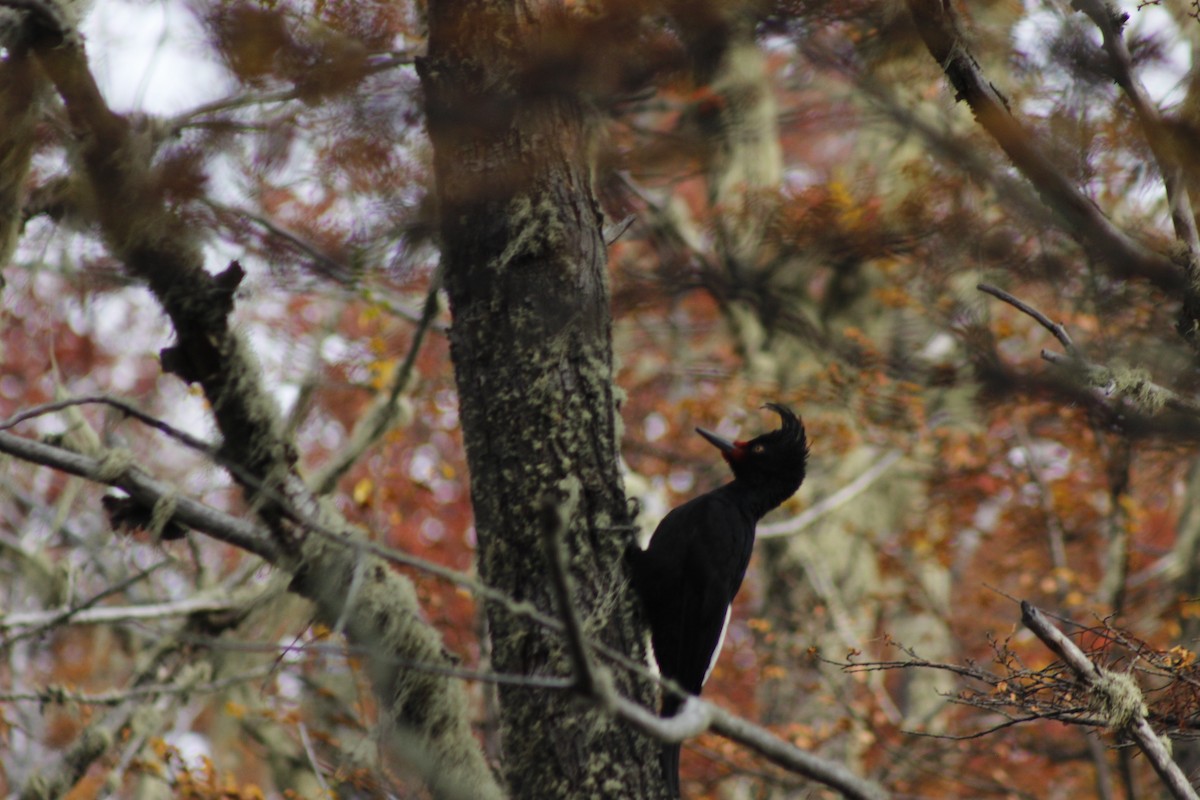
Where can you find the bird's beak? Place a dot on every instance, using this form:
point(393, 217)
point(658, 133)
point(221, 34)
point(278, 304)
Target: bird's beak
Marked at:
point(724, 445)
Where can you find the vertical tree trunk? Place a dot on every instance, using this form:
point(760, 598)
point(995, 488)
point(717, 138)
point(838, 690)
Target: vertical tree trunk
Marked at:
point(525, 270)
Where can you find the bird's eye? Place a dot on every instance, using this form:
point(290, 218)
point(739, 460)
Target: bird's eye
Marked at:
point(758, 448)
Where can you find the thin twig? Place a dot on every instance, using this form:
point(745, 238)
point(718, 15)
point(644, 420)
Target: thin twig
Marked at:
point(106, 615)
point(57, 618)
point(808, 516)
point(312, 760)
point(319, 648)
point(382, 414)
point(555, 518)
point(1055, 328)
point(124, 406)
point(375, 63)
point(966, 737)
point(57, 695)
point(331, 264)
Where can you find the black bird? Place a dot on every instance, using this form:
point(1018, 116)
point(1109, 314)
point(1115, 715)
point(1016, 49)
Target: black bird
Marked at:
point(691, 571)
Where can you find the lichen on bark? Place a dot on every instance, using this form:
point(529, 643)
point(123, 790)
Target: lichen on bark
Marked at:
point(531, 341)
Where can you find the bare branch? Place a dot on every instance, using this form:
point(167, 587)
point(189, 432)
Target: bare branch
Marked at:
point(792, 758)
point(1104, 16)
point(125, 407)
point(697, 716)
point(329, 264)
point(312, 760)
point(108, 731)
point(1056, 328)
point(375, 63)
point(58, 695)
point(383, 413)
point(106, 615)
point(1124, 256)
point(1117, 694)
point(808, 516)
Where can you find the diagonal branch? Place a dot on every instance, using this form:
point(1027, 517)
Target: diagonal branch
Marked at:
point(1103, 241)
point(156, 245)
point(1183, 216)
point(146, 490)
point(827, 505)
point(1104, 16)
point(385, 410)
point(1056, 328)
point(1118, 694)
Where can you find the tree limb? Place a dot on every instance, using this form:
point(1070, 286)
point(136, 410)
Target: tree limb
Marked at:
point(1183, 216)
point(105, 615)
point(1104, 16)
point(1118, 694)
point(1150, 396)
point(147, 491)
point(1055, 328)
point(156, 245)
point(1103, 241)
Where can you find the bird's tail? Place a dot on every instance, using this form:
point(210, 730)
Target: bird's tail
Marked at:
point(670, 752)
point(670, 766)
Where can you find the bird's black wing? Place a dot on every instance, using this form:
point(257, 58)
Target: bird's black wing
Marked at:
point(687, 578)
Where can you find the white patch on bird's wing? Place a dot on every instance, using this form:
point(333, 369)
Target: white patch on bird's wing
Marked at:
point(716, 653)
point(651, 657)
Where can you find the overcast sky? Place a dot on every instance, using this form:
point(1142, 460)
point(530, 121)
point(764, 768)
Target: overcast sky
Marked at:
point(151, 57)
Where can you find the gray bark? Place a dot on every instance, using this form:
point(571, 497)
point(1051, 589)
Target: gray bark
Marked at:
point(524, 265)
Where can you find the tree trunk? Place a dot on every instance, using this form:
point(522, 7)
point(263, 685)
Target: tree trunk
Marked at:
point(525, 270)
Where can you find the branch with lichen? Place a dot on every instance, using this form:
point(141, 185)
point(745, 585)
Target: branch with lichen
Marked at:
point(1115, 697)
point(156, 245)
point(1120, 389)
point(165, 678)
point(1013, 693)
